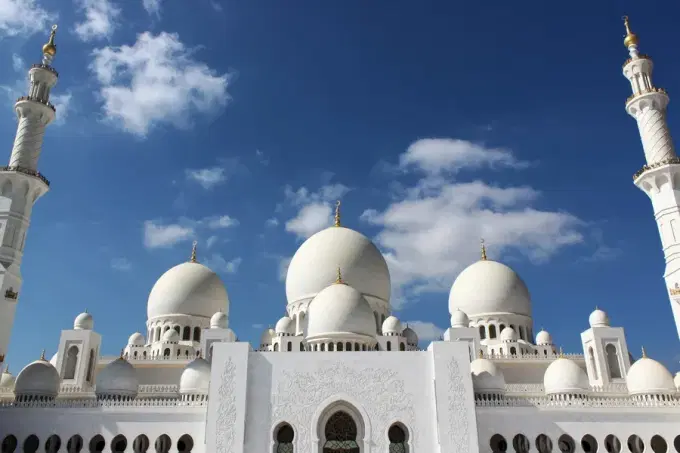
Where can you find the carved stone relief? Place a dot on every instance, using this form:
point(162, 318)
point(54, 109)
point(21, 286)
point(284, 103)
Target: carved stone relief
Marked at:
point(458, 426)
point(226, 409)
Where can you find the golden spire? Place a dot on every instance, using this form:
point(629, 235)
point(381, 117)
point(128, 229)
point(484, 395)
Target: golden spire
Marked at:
point(338, 279)
point(51, 48)
point(481, 354)
point(483, 250)
point(42, 355)
point(631, 38)
point(336, 221)
point(644, 353)
point(193, 252)
point(122, 353)
point(561, 353)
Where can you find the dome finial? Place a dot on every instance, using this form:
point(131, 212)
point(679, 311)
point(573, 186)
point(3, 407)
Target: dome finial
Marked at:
point(481, 354)
point(193, 252)
point(631, 38)
point(50, 48)
point(561, 353)
point(338, 278)
point(336, 221)
point(42, 355)
point(122, 353)
point(644, 353)
point(483, 250)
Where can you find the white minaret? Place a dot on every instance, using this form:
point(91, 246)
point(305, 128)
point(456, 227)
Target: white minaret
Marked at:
point(21, 184)
point(659, 178)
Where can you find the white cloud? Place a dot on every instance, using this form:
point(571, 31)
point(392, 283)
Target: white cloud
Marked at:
point(158, 235)
point(434, 229)
point(101, 19)
point(212, 240)
point(219, 222)
point(62, 102)
point(261, 157)
point(315, 210)
point(153, 7)
point(121, 264)
point(207, 177)
point(18, 63)
point(23, 17)
point(258, 326)
point(284, 262)
point(217, 263)
point(426, 331)
point(155, 81)
point(271, 222)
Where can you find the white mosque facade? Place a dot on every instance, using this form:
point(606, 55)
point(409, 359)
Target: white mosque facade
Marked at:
point(338, 373)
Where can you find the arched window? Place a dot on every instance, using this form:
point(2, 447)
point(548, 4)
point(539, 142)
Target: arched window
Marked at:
point(140, 444)
point(197, 334)
point(482, 332)
point(331, 346)
point(9, 444)
point(118, 444)
point(348, 346)
point(339, 346)
point(284, 439)
point(177, 329)
point(500, 328)
point(163, 444)
point(71, 362)
point(521, 333)
point(97, 444)
point(185, 444)
point(389, 345)
point(397, 437)
point(31, 444)
point(74, 444)
point(289, 346)
point(341, 434)
point(276, 346)
point(302, 347)
point(90, 366)
point(492, 331)
point(402, 346)
point(513, 350)
point(166, 353)
point(186, 333)
point(613, 361)
point(593, 365)
point(53, 444)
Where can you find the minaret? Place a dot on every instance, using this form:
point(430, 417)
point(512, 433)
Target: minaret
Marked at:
point(659, 178)
point(21, 184)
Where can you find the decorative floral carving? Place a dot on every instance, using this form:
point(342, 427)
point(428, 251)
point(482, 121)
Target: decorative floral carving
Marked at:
point(226, 409)
point(459, 429)
point(298, 395)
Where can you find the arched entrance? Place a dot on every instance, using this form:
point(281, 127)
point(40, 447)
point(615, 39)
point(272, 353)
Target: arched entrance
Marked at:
point(341, 434)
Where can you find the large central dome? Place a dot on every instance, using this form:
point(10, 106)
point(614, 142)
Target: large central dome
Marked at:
point(188, 289)
point(314, 265)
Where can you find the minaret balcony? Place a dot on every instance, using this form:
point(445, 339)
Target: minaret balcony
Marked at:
point(40, 101)
point(639, 57)
point(645, 92)
point(45, 67)
point(26, 171)
point(646, 168)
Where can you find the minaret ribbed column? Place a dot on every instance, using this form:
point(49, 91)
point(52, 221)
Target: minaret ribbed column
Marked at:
point(21, 184)
point(659, 178)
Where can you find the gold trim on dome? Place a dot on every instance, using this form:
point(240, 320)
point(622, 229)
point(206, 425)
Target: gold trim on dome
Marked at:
point(483, 250)
point(336, 220)
point(338, 278)
point(193, 258)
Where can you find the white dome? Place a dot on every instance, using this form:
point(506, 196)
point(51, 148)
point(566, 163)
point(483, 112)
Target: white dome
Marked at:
point(392, 325)
point(38, 378)
point(118, 378)
point(647, 377)
point(676, 380)
point(315, 263)
point(565, 376)
point(508, 335)
point(486, 377)
point(489, 287)
point(83, 321)
point(7, 379)
point(410, 335)
point(543, 338)
point(598, 318)
point(136, 339)
point(267, 336)
point(171, 336)
point(188, 289)
point(195, 378)
point(340, 309)
point(219, 320)
point(285, 326)
point(459, 319)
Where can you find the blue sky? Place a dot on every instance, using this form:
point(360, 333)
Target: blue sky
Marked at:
point(239, 123)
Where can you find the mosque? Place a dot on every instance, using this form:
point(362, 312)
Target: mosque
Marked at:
point(187, 384)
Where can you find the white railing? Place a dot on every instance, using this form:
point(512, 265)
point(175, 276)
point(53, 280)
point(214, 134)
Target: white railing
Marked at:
point(92, 403)
point(598, 402)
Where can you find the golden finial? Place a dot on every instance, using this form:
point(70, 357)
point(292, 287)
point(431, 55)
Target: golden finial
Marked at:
point(336, 222)
point(122, 353)
point(42, 355)
point(631, 38)
point(51, 48)
point(644, 353)
point(561, 353)
point(481, 354)
point(483, 250)
point(193, 252)
point(338, 278)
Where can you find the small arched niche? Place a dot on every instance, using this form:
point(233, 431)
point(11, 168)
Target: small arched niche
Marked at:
point(341, 429)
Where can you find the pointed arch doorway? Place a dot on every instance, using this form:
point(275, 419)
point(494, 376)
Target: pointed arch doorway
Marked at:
point(341, 434)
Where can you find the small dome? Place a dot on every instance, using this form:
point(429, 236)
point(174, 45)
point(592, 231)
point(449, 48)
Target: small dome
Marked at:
point(118, 378)
point(188, 289)
point(340, 309)
point(486, 377)
point(219, 320)
point(598, 318)
point(487, 287)
point(648, 377)
point(83, 321)
point(267, 337)
point(392, 326)
point(565, 376)
point(543, 338)
point(285, 326)
point(38, 378)
point(171, 336)
point(7, 379)
point(508, 335)
point(410, 335)
point(136, 339)
point(459, 319)
point(313, 267)
point(676, 380)
point(195, 378)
